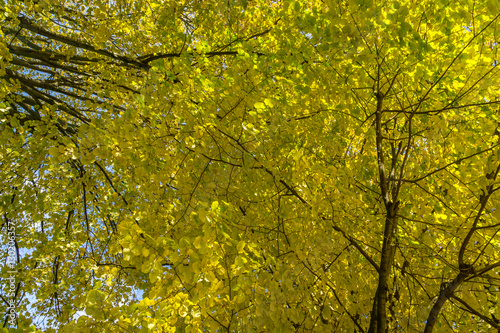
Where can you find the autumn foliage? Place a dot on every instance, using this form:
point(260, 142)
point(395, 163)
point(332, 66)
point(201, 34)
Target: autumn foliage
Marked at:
point(251, 166)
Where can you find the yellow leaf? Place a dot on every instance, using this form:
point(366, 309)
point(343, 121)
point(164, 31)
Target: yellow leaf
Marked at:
point(240, 246)
point(183, 311)
point(269, 102)
point(259, 105)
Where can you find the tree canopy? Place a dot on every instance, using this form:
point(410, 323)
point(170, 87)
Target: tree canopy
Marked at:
point(252, 165)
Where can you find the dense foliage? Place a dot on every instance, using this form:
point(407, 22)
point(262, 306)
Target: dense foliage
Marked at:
point(251, 166)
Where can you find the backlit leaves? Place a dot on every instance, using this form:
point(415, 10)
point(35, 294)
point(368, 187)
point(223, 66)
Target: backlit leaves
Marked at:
point(313, 166)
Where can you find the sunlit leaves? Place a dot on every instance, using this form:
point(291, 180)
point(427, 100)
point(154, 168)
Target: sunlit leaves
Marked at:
point(217, 165)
